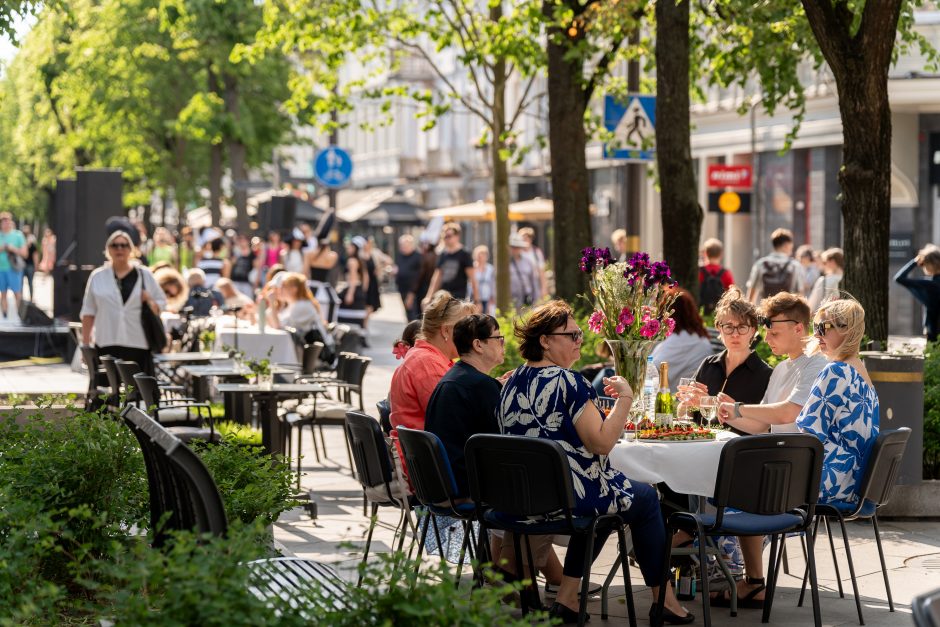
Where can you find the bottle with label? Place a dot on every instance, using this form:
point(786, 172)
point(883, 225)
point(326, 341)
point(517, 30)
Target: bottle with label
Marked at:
point(685, 587)
point(262, 312)
point(649, 389)
point(664, 402)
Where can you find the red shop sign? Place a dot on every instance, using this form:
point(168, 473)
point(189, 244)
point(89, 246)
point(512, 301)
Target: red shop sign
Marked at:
point(738, 176)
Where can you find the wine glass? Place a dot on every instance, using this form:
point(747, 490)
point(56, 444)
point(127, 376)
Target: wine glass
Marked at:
point(686, 405)
point(709, 407)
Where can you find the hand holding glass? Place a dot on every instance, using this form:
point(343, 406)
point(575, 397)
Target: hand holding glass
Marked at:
point(709, 407)
point(684, 404)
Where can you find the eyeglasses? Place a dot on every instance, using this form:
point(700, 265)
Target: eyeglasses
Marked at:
point(576, 336)
point(118, 245)
point(822, 328)
point(450, 234)
point(501, 338)
point(767, 322)
point(730, 329)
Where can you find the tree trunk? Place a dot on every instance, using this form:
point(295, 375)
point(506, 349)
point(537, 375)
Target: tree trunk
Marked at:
point(681, 212)
point(215, 164)
point(500, 171)
point(570, 184)
point(237, 153)
point(860, 63)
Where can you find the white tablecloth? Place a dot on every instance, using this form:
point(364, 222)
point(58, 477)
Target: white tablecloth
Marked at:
point(686, 467)
point(255, 345)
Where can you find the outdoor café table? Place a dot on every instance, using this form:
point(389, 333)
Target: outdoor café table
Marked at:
point(229, 372)
point(272, 430)
point(255, 345)
point(167, 363)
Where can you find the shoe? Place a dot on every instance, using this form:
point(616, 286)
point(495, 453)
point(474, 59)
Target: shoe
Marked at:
point(593, 589)
point(673, 619)
point(567, 615)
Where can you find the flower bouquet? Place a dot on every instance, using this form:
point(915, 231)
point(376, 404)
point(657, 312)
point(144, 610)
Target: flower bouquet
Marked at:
point(632, 304)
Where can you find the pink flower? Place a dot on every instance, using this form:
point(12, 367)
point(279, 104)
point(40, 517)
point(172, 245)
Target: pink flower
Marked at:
point(596, 321)
point(625, 319)
point(670, 326)
point(650, 329)
point(400, 349)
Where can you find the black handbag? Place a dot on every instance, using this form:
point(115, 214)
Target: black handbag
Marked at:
point(153, 326)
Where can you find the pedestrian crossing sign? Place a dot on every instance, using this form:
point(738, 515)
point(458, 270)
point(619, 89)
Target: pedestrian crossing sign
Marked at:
point(633, 125)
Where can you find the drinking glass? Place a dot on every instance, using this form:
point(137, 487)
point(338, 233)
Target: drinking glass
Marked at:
point(709, 407)
point(687, 405)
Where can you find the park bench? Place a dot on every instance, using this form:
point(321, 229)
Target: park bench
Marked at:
point(184, 496)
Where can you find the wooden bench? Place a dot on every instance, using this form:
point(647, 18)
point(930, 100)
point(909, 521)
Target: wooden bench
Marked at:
point(183, 496)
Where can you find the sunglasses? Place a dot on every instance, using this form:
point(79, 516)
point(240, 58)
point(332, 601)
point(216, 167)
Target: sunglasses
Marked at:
point(822, 328)
point(767, 322)
point(576, 336)
point(118, 246)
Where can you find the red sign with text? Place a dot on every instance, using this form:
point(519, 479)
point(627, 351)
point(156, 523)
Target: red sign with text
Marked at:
point(737, 176)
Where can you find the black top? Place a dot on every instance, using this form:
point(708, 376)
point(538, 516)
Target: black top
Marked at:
point(453, 267)
point(241, 267)
point(927, 291)
point(746, 383)
point(463, 404)
point(126, 284)
point(409, 267)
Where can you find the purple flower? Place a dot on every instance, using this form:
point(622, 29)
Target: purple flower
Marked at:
point(650, 329)
point(639, 260)
point(592, 257)
point(596, 321)
point(659, 274)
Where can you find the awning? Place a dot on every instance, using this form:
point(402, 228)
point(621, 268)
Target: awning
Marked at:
point(484, 211)
point(201, 216)
point(383, 207)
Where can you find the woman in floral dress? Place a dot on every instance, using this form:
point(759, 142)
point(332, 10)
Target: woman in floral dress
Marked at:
point(842, 410)
point(545, 399)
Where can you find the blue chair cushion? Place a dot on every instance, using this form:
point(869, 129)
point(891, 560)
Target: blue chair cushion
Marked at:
point(500, 520)
point(827, 509)
point(741, 523)
point(465, 510)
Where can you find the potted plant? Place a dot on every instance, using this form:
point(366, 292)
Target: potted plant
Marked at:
point(207, 340)
point(261, 369)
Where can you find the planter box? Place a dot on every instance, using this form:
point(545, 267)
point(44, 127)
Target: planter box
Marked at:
point(914, 501)
point(23, 413)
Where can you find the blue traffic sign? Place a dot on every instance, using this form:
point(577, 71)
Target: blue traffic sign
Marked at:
point(333, 167)
point(634, 127)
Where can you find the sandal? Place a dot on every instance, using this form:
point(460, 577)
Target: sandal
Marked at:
point(747, 602)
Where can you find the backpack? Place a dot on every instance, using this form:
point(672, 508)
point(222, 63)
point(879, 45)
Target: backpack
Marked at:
point(711, 289)
point(777, 277)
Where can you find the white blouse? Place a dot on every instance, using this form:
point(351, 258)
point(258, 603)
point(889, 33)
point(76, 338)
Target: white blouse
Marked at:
point(118, 323)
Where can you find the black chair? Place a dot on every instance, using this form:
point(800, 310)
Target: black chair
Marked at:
point(184, 496)
point(185, 418)
point(875, 490)
point(435, 487)
point(523, 485)
point(926, 609)
point(774, 481)
point(95, 374)
point(127, 370)
point(373, 468)
point(311, 357)
point(384, 407)
point(114, 380)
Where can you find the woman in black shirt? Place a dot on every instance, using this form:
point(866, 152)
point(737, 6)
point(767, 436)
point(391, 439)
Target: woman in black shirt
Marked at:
point(737, 370)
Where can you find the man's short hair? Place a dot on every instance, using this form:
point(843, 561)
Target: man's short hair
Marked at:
point(473, 327)
point(713, 248)
point(452, 226)
point(781, 237)
point(793, 306)
point(834, 255)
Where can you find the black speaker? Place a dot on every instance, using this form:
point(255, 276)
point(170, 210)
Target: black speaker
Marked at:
point(62, 221)
point(77, 278)
point(61, 304)
point(279, 214)
point(33, 316)
point(97, 197)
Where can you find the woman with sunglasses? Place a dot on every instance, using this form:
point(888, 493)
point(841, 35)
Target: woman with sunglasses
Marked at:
point(842, 410)
point(114, 296)
point(544, 398)
point(736, 371)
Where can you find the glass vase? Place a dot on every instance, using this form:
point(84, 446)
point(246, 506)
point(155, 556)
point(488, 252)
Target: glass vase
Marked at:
point(630, 363)
point(264, 381)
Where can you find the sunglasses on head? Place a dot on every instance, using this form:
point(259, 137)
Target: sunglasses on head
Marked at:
point(768, 323)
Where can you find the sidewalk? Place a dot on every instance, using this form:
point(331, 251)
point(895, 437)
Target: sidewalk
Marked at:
point(912, 549)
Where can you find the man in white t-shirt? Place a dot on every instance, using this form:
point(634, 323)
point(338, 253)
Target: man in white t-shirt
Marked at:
point(787, 318)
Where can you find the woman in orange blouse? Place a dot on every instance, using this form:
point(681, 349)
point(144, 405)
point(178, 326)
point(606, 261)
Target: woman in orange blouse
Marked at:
point(424, 365)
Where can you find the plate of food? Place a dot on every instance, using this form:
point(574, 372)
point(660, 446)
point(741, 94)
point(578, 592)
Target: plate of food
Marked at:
point(676, 433)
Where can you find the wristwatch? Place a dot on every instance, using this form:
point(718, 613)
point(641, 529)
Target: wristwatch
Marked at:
point(737, 409)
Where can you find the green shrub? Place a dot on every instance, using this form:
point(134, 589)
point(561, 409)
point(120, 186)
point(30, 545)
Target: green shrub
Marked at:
point(932, 411)
point(238, 433)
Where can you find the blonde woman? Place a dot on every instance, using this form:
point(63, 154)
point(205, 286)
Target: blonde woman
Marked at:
point(296, 306)
point(842, 410)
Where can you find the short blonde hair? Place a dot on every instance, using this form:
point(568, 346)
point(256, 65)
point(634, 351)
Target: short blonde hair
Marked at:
point(618, 235)
point(443, 310)
point(116, 235)
point(481, 249)
point(732, 304)
point(713, 248)
point(849, 316)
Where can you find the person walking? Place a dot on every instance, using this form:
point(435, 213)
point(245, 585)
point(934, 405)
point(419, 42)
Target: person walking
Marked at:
point(425, 275)
point(486, 278)
point(925, 289)
point(536, 256)
point(32, 259)
point(807, 258)
point(713, 278)
point(407, 270)
point(826, 286)
point(524, 286)
point(12, 261)
point(455, 267)
point(321, 263)
point(776, 272)
point(213, 263)
point(47, 262)
point(242, 264)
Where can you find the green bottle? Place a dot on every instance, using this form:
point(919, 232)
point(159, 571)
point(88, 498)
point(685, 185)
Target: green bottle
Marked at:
point(665, 408)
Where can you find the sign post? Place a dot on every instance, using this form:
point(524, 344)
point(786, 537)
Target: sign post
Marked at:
point(633, 126)
point(332, 167)
point(729, 188)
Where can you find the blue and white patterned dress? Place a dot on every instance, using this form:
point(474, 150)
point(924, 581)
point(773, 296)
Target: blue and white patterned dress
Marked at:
point(843, 412)
point(546, 402)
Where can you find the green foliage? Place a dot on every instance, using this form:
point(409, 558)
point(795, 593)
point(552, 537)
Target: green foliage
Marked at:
point(252, 487)
point(932, 411)
point(237, 432)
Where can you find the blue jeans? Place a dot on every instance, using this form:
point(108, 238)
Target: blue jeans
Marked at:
point(647, 529)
